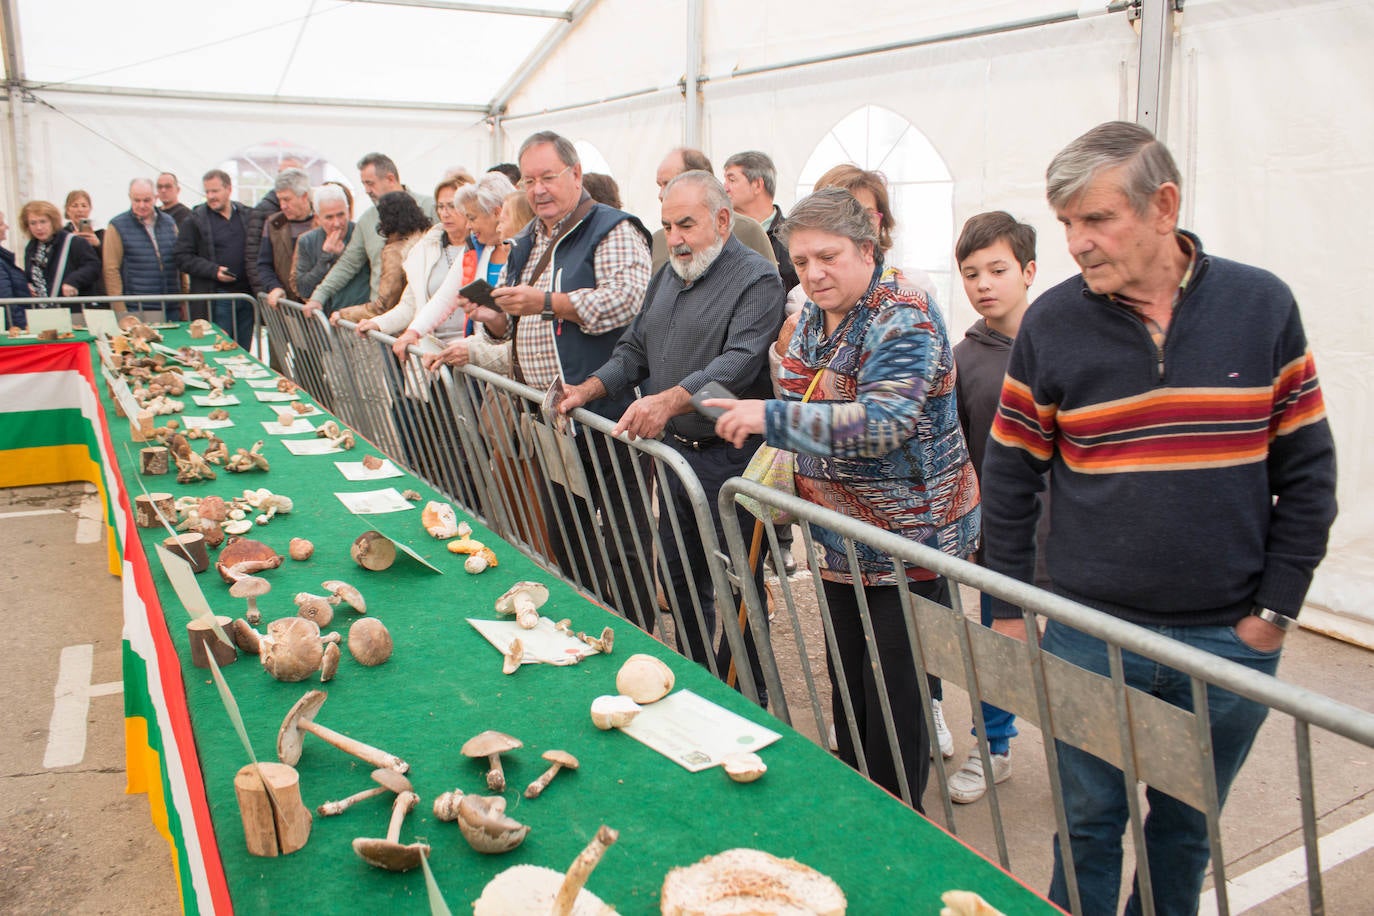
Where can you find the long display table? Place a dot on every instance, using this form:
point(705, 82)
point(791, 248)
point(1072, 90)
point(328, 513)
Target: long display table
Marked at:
point(442, 685)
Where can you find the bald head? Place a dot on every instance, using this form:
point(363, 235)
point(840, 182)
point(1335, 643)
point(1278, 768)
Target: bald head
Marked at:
point(679, 160)
point(142, 194)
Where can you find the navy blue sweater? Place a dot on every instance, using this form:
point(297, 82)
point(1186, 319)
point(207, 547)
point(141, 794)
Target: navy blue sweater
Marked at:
point(1185, 489)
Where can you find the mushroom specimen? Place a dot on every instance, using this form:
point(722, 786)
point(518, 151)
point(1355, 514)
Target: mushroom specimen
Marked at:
point(513, 657)
point(523, 599)
point(439, 520)
point(387, 781)
point(529, 889)
point(750, 881)
point(242, 557)
point(369, 642)
point(558, 760)
point(345, 594)
point(330, 663)
point(373, 550)
point(603, 643)
point(292, 650)
point(966, 903)
point(411, 495)
point(644, 679)
point(252, 588)
point(446, 805)
point(479, 561)
point(389, 853)
point(491, 745)
point(301, 718)
point(613, 712)
point(319, 608)
point(372, 462)
point(485, 825)
point(743, 766)
point(248, 459)
point(190, 466)
point(300, 549)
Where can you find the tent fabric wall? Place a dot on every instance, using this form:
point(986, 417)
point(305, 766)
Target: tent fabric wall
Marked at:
point(100, 142)
point(1269, 117)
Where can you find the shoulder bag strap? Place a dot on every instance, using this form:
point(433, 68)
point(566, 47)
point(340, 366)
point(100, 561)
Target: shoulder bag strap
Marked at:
point(578, 215)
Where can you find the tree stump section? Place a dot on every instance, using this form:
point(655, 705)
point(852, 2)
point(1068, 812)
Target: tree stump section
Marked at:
point(277, 825)
point(205, 641)
point(147, 506)
point(192, 548)
point(153, 460)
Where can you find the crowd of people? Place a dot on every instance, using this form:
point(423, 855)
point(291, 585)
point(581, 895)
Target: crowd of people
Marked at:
point(1191, 466)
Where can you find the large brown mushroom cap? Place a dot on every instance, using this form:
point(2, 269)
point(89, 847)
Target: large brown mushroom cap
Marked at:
point(489, 742)
point(244, 556)
point(292, 649)
point(384, 854)
point(369, 642)
point(750, 881)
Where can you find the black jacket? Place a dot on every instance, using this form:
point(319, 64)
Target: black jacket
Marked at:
point(785, 268)
point(195, 249)
point(82, 269)
point(257, 219)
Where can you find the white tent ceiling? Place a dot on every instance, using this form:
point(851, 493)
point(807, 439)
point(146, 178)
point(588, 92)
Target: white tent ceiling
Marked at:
point(1267, 104)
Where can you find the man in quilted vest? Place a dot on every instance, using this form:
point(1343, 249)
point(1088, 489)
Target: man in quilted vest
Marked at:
point(138, 251)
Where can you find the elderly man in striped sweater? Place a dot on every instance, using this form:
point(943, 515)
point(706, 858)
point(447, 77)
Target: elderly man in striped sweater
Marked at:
point(1173, 398)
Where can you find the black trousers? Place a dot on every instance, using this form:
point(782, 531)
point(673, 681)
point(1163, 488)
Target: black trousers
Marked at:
point(900, 678)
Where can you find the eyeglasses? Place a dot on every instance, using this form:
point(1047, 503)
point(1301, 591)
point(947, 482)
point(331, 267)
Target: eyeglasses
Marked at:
point(446, 208)
point(546, 180)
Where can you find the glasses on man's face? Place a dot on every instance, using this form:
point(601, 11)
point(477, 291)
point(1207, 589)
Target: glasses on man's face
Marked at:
point(546, 180)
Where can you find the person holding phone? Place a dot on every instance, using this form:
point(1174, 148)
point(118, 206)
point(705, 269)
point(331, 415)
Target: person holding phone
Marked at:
point(78, 213)
point(211, 248)
point(709, 317)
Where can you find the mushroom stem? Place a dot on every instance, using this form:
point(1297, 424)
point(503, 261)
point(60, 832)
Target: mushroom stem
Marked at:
point(331, 808)
point(399, 809)
point(496, 776)
point(539, 785)
point(365, 752)
point(581, 870)
point(526, 612)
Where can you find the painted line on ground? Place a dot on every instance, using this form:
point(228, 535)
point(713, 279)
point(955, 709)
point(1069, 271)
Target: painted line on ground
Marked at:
point(1290, 869)
point(29, 513)
point(71, 704)
point(90, 519)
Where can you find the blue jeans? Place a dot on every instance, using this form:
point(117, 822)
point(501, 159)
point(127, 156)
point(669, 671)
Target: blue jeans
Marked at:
point(1095, 796)
point(236, 318)
point(1000, 723)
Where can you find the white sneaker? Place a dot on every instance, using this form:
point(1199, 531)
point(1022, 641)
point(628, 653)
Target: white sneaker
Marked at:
point(968, 785)
point(942, 734)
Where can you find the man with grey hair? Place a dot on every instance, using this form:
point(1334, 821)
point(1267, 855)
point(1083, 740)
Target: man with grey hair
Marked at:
point(280, 233)
point(751, 180)
point(137, 252)
point(748, 231)
point(709, 316)
point(1172, 398)
point(379, 176)
point(574, 282)
point(319, 249)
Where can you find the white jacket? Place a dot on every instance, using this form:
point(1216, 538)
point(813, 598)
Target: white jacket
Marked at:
point(418, 264)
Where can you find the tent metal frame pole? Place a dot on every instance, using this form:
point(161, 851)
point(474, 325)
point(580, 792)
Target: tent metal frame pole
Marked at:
point(309, 101)
point(541, 53)
point(1156, 59)
point(18, 116)
point(691, 88)
point(456, 7)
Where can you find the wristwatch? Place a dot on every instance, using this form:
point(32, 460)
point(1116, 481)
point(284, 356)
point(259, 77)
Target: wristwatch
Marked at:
point(1282, 621)
point(547, 314)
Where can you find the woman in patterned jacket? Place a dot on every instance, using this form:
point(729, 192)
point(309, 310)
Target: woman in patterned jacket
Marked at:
point(878, 440)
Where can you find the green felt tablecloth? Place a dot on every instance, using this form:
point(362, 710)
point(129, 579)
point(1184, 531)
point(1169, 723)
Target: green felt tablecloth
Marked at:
point(444, 684)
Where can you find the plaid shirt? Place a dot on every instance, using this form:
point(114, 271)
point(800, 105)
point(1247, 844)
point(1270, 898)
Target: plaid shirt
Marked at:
point(622, 275)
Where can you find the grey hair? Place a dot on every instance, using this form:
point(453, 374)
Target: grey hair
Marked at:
point(836, 211)
point(487, 195)
point(293, 180)
point(716, 198)
point(382, 165)
point(1107, 146)
point(152, 186)
point(328, 194)
point(756, 165)
point(567, 153)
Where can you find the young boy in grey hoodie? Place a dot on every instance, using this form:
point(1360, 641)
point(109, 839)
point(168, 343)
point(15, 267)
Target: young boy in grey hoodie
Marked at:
point(996, 256)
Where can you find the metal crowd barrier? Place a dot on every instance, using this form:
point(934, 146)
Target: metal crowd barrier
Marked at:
point(1100, 715)
point(482, 440)
point(229, 311)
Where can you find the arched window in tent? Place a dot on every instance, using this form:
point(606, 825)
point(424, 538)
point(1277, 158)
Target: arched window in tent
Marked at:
point(919, 186)
point(254, 169)
point(592, 160)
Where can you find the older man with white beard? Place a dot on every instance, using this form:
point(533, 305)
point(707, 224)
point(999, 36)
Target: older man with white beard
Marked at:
point(709, 315)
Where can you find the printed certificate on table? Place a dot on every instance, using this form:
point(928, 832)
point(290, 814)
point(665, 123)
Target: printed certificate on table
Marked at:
point(311, 446)
point(375, 502)
point(695, 733)
point(205, 422)
point(297, 428)
point(356, 470)
point(209, 400)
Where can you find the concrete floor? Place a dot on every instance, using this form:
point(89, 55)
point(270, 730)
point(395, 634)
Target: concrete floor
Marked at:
point(72, 842)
